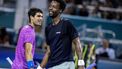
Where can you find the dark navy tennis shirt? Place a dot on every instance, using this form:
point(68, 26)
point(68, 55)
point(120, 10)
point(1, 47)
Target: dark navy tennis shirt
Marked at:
point(59, 37)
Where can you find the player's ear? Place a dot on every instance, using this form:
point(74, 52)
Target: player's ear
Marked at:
point(31, 18)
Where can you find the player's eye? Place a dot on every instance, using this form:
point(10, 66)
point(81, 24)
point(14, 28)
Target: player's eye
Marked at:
point(39, 16)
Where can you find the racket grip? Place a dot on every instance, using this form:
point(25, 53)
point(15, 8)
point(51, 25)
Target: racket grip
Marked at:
point(9, 60)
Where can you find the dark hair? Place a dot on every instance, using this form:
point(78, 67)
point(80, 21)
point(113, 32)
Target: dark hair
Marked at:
point(62, 4)
point(33, 11)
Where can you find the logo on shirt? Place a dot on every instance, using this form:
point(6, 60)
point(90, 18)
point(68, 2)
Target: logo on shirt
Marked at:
point(58, 32)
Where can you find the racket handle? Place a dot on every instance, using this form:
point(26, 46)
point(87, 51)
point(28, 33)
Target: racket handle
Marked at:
point(9, 60)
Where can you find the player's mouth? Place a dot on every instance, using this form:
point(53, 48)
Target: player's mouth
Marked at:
point(50, 12)
point(39, 23)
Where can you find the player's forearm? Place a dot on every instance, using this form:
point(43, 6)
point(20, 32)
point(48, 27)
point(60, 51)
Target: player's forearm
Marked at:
point(79, 54)
point(45, 60)
point(78, 47)
point(29, 59)
point(28, 56)
point(28, 53)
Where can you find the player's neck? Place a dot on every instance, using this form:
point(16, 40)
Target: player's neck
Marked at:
point(56, 20)
point(32, 25)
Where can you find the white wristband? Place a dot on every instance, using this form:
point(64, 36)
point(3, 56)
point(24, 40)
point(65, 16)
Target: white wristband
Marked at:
point(81, 63)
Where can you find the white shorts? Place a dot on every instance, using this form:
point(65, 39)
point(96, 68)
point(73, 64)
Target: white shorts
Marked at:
point(65, 65)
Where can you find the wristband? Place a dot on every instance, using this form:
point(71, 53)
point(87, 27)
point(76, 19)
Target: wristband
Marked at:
point(81, 63)
point(30, 64)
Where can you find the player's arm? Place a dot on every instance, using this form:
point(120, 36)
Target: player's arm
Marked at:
point(28, 54)
point(45, 58)
point(78, 48)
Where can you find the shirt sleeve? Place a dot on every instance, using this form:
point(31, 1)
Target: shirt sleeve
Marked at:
point(28, 36)
point(72, 31)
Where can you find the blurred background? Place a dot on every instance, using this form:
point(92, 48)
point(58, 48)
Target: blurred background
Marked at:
point(99, 23)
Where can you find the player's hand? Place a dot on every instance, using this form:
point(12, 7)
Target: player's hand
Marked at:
point(81, 67)
point(39, 67)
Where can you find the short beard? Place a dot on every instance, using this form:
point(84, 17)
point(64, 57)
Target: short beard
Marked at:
point(54, 16)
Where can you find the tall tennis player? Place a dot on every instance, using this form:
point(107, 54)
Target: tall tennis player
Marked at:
point(60, 34)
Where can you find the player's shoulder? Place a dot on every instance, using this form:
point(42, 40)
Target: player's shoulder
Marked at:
point(48, 26)
point(26, 28)
point(65, 20)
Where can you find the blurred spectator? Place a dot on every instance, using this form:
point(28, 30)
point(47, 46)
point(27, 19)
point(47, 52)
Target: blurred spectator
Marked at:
point(94, 2)
point(83, 11)
point(108, 3)
point(108, 15)
point(4, 37)
point(70, 7)
point(89, 53)
point(105, 50)
point(96, 13)
point(119, 16)
point(94, 8)
point(99, 8)
point(76, 2)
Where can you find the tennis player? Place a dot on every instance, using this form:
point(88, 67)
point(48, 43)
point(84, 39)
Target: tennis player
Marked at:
point(26, 41)
point(60, 34)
